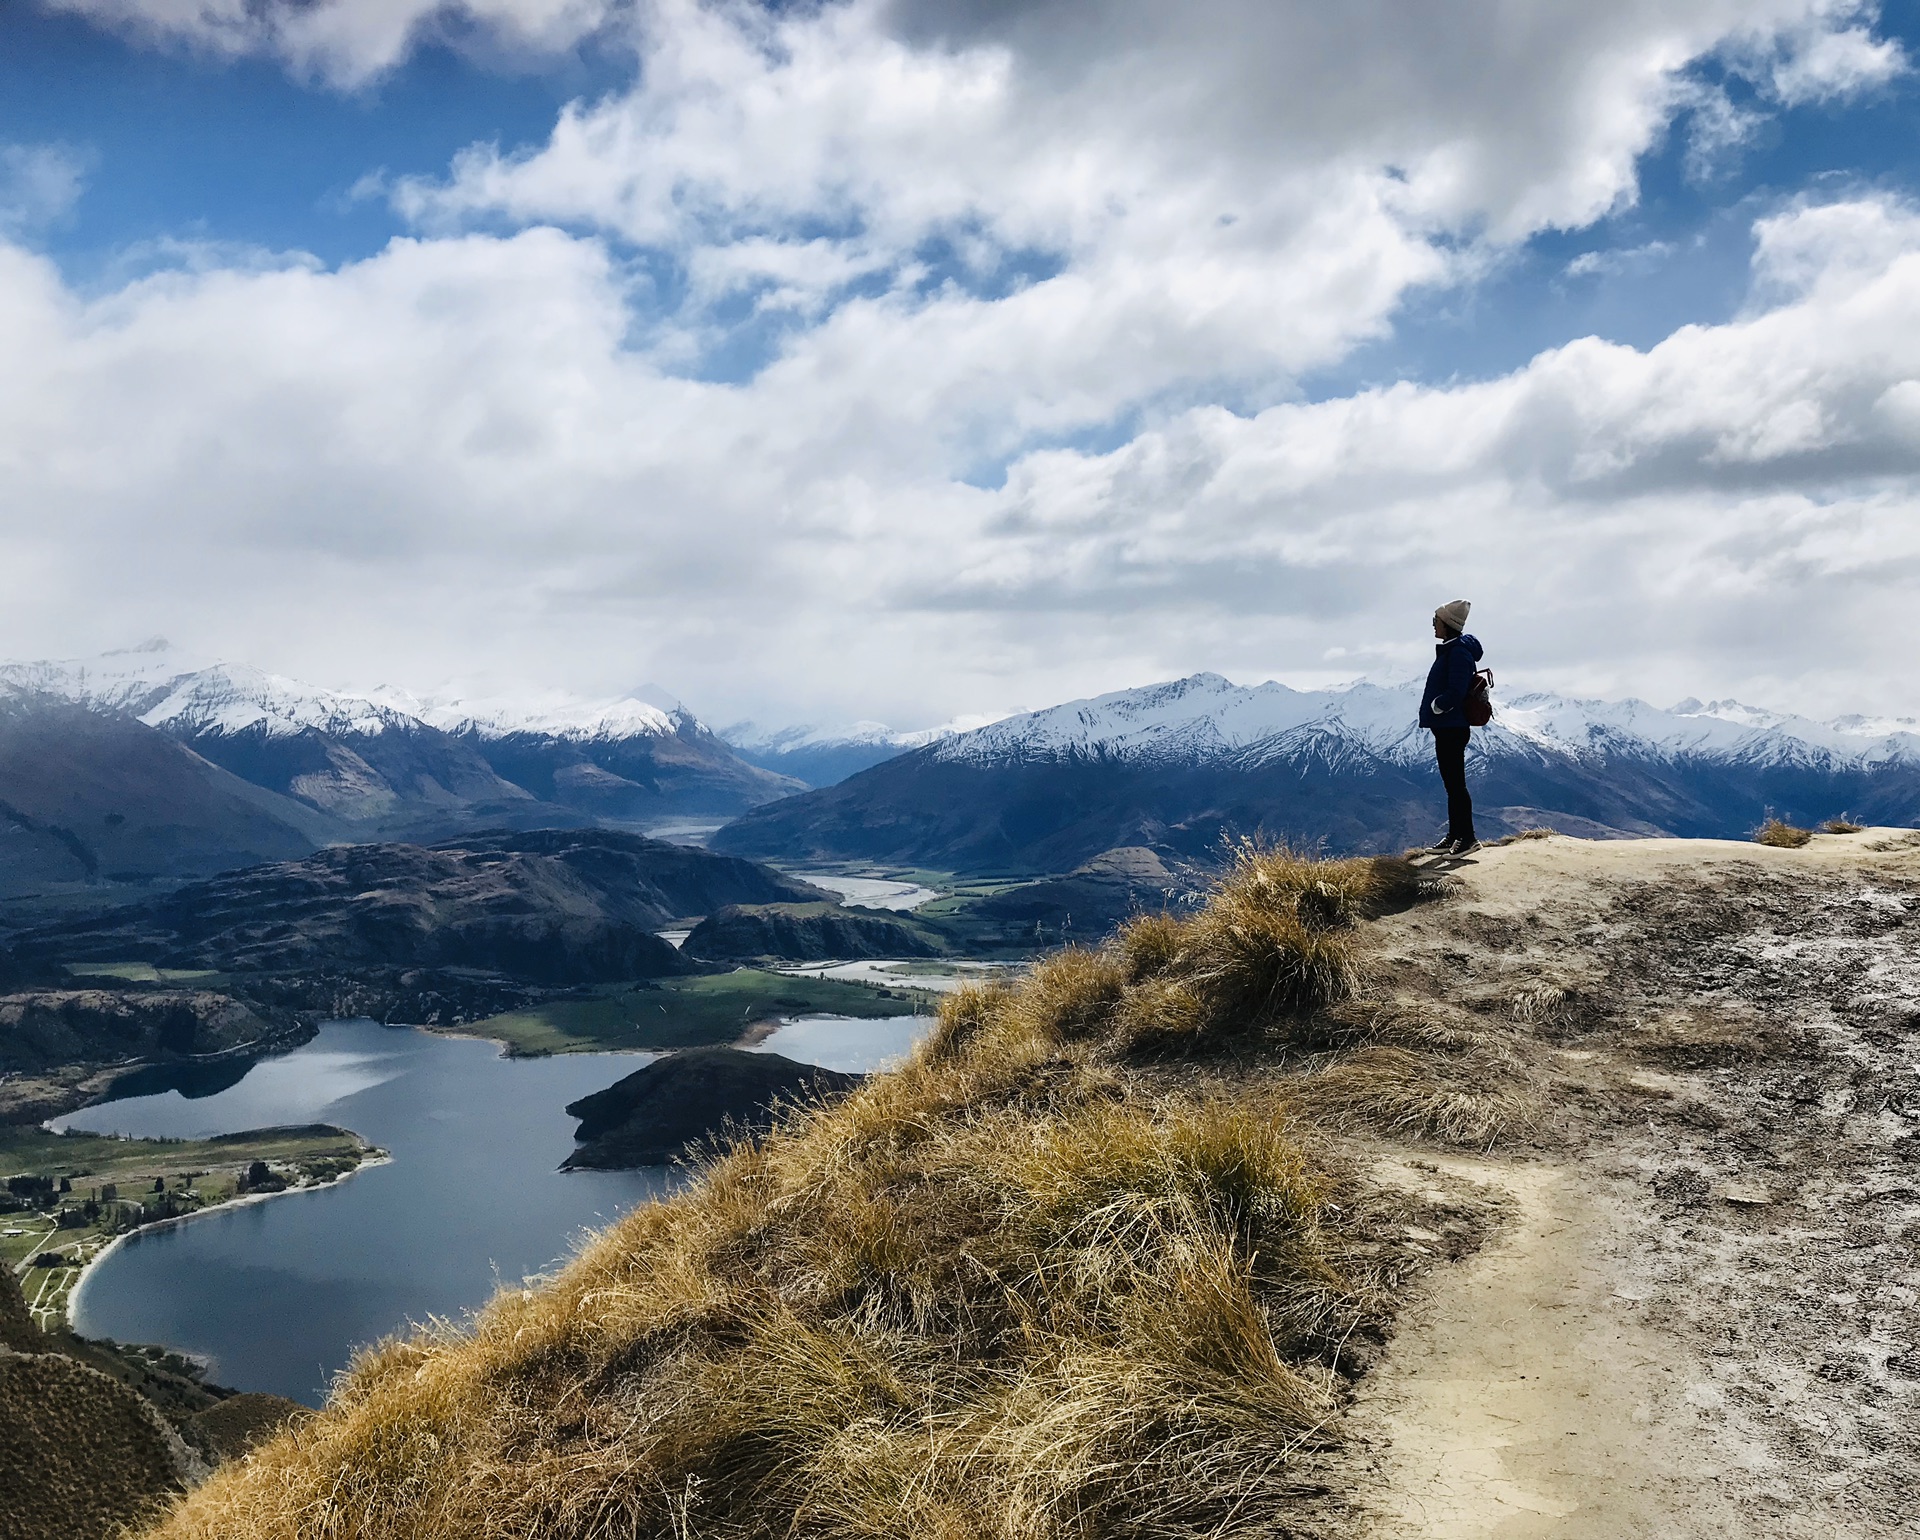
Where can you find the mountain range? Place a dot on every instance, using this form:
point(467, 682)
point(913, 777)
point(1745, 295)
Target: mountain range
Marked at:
point(1177, 766)
point(146, 763)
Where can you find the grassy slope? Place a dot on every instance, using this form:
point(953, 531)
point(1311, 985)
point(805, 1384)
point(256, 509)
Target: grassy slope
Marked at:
point(1089, 1266)
point(686, 1013)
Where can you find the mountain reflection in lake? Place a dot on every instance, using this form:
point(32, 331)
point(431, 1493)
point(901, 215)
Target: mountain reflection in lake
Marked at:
point(278, 1294)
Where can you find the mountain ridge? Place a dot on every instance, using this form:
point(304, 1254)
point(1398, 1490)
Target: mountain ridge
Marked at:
point(1181, 764)
point(384, 764)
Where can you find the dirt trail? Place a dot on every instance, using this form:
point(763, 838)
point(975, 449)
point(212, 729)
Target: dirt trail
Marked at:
point(1526, 1397)
point(1700, 1317)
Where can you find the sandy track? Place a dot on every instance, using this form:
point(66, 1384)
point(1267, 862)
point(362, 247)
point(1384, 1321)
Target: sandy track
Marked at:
point(1699, 1317)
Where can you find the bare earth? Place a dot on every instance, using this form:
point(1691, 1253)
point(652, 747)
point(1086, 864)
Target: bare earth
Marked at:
point(1700, 1315)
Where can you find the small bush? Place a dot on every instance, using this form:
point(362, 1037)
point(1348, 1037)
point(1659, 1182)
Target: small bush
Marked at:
point(1842, 825)
point(1781, 834)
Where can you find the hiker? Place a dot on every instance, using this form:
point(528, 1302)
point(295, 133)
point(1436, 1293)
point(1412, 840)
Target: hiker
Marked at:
point(1443, 711)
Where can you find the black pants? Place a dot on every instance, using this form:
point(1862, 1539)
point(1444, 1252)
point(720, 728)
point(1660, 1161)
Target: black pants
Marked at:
point(1450, 748)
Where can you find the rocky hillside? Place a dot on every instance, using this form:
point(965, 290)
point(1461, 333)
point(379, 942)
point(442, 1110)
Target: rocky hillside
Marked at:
point(809, 933)
point(656, 1114)
point(549, 906)
point(40, 1029)
point(96, 1438)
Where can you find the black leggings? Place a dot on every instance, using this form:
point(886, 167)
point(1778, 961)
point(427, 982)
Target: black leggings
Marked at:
point(1450, 748)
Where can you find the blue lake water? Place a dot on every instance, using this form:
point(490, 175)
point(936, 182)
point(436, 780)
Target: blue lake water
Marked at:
point(278, 1294)
point(838, 1042)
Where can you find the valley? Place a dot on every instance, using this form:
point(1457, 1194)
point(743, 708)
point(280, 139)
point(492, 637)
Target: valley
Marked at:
point(423, 1012)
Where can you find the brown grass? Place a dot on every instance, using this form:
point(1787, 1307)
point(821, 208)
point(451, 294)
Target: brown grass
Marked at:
point(1841, 826)
point(1524, 834)
point(1006, 1291)
point(1778, 832)
point(1430, 1072)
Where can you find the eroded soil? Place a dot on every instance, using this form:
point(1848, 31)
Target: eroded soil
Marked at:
point(1701, 1315)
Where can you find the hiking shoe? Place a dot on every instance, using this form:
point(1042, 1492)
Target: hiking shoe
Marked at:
point(1442, 846)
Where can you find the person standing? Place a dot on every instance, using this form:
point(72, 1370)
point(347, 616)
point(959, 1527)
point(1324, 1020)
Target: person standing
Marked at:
point(1443, 712)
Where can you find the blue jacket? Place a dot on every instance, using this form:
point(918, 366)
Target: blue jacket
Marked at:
point(1444, 701)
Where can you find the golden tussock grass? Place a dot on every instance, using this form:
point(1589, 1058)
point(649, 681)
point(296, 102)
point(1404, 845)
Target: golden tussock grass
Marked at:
point(1779, 833)
point(1429, 1071)
point(1842, 825)
point(1005, 1291)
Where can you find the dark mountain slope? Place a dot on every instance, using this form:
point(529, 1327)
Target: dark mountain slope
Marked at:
point(85, 797)
point(685, 772)
point(551, 906)
point(1052, 814)
point(406, 776)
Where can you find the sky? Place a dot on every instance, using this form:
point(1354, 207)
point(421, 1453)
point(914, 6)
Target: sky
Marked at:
point(915, 359)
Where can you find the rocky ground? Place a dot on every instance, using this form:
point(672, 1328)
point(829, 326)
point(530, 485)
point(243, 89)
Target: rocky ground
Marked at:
point(1700, 1314)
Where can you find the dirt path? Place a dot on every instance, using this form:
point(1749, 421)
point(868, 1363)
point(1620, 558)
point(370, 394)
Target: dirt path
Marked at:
point(1526, 1395)
point(1700, 1316)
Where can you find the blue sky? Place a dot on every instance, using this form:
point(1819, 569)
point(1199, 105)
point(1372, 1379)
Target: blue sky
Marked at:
point(772, 352)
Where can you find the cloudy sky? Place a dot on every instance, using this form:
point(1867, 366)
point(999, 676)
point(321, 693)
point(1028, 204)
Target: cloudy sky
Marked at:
point(912, 358)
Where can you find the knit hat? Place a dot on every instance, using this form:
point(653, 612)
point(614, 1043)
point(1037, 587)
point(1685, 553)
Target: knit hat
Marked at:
point(1453, 616)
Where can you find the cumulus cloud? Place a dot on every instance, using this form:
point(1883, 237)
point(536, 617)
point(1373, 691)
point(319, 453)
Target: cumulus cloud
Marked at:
point(978, 239)
point(344, 42)
point(445, 456)
point(39, 184)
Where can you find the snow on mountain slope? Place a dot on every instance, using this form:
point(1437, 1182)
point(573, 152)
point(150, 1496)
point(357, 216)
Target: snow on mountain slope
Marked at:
point(1205, 719)
point(562, 717)
point(788, 740)
point(164, 688)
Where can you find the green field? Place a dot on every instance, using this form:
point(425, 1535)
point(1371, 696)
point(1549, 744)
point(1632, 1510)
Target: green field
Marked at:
point(688, 1013)
point(146, 973)
point(192, 1174)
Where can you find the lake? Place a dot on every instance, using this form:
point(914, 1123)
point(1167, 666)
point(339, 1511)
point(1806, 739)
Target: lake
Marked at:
point(276, 1295)
point(871, 892)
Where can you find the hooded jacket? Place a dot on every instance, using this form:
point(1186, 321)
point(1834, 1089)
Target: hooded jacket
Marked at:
point(1449, 682)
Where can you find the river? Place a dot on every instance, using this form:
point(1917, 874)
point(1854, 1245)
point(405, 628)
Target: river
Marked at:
point(276, 1295)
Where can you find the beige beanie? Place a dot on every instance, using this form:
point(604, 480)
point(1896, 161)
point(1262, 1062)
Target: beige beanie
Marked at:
point(1453, 616)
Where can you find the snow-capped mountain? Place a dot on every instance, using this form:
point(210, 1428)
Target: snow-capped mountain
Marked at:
point(1206, 719)
point(1178, 764)
point(820, 756)
point(385, 762)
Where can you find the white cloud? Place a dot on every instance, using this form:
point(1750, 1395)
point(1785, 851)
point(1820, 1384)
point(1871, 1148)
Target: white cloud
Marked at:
point(491, 456)
point(345, 42)
point(443, 462)
point(39, 184)
point(1834, 55)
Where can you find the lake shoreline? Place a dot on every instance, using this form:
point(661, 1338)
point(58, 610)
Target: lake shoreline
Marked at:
point(226, 1205)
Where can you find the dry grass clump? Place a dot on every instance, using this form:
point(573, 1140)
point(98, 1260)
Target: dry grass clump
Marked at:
point(1524, 834)
point(1842, 825)
point(1273, 945)
point(1431, 1071)
point(1001, 1292)
point(1778, 832)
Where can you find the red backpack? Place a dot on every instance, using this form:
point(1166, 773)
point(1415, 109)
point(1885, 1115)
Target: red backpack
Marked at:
point(1480, 698)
